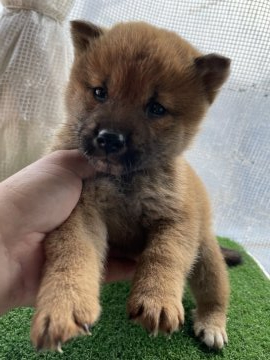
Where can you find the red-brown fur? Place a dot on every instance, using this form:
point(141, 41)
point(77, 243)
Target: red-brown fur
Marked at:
point(145, 201)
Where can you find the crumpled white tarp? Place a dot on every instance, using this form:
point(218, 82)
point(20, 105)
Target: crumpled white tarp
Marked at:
point(35, 58)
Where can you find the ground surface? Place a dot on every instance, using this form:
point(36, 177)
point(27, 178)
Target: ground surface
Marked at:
point(114, 337)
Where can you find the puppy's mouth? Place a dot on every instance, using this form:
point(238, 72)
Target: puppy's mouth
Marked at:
point(106, 166)
point(114, 165)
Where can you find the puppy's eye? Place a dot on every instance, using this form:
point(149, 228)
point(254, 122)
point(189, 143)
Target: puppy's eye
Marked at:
point(100, 94)
point(155, 110)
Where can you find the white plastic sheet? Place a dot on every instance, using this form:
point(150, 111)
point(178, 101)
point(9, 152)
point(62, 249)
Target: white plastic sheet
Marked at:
point(35, 57)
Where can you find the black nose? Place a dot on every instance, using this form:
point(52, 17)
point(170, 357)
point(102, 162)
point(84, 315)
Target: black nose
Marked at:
point(110, 141)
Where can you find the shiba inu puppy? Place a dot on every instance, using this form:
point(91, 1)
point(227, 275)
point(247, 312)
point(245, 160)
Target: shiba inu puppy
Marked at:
point(136, 97)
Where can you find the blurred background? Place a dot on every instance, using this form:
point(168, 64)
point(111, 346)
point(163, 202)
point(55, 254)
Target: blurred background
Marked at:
point(232, 152)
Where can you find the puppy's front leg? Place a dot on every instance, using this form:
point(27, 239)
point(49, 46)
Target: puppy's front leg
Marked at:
point(68, 298)
point(156, 296)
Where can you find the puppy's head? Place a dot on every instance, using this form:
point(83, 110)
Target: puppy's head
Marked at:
point(137, 94)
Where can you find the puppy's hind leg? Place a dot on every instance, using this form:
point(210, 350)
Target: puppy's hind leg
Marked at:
point(210, 286)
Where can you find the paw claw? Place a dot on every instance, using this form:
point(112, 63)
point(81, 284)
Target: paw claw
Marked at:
point(225, 337)
point(86, 329)
point(59, 348)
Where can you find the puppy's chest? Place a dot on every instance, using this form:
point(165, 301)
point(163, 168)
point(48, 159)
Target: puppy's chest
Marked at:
point(123, 211)
point(128, 210)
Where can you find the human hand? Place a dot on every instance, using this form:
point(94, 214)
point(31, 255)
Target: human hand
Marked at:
point(33, 202)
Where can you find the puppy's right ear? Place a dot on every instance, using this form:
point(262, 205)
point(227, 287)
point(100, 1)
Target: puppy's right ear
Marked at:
point(82, 33)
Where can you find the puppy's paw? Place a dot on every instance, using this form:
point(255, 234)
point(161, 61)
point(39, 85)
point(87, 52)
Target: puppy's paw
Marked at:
point(61, 317)
point(211, 330)
point(164, 314)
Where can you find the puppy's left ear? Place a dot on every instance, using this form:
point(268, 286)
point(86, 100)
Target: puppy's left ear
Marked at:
point(83, 33)
point(213, 70)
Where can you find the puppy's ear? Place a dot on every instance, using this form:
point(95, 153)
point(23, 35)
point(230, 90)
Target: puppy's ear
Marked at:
point(82, 33)
point(213, 70)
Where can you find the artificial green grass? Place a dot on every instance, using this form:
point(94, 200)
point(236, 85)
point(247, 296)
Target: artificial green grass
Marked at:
point(114, 337)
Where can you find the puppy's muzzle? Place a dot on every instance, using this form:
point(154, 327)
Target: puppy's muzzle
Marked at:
point(109, 141)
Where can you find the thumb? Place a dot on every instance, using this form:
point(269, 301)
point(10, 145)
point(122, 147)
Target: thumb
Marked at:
point(72, 160)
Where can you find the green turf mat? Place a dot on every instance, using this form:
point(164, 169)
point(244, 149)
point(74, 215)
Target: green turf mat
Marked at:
point(114, 337)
